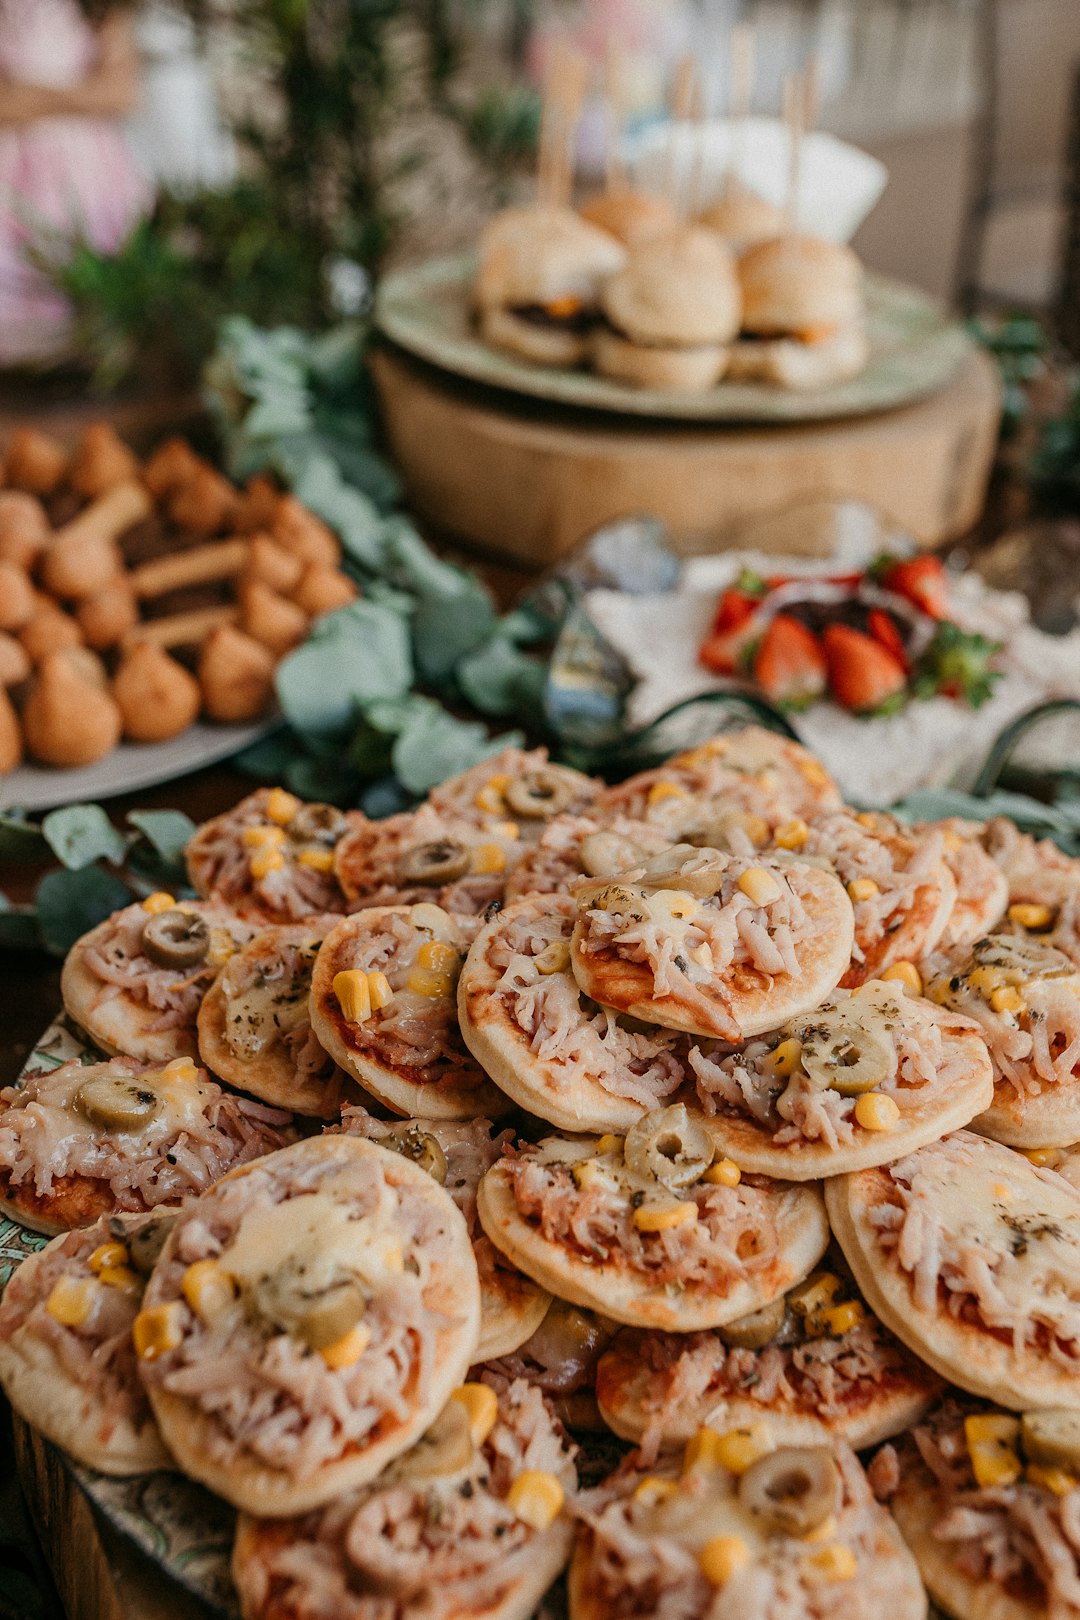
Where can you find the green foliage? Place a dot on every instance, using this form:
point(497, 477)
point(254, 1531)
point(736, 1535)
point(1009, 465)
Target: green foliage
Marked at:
point(1021, 348)
point(1055, 463)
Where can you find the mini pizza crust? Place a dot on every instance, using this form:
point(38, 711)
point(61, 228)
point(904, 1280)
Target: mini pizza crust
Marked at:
point(80, 1200)
point(927, 1113)
point(258, 1488)
point(510, 1313)
point(618, 1293)
point(392, 1085)
point(44, 1393)
point(965, 1353)
point(915, 1508)
point(120, 1026)
point(746, 998)
point(1051, 1118)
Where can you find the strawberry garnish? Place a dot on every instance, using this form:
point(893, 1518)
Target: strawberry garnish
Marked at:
point(921, 580)
point(789, 665)
point(882, 627)
point(863, 675)
point(724, 648)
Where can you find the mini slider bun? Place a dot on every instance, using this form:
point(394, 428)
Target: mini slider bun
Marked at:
point(633, 216)
point(540, 269)
point(804, 298)
point(742, 217)
point(671, 313)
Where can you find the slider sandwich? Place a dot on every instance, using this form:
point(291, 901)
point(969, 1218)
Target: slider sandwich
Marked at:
point(539, 275)
point(632, 216)
point(803, 316)
point(742, 217)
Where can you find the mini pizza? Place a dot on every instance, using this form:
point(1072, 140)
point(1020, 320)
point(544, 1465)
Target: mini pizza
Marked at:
point(306, 1322)
point(1036, 870)
point(469, 1523)
point(982, 890)
point(650, 1231)
point(87, 1140)
point(523, 1016)
point(426, 855)
point(868, 1076)
point(813, 1366)
point(902, 891)
point(136, 982)
point(971, 1255)
point(271, 857)
point(989, 1504)
point(714, 944)
point(1024, 997)
point(457, 1153)
point(751, 773)
point(67, 1363)
point(255, 1029)
point(561, 1359)
point(383, 1005)
point(575, 846)
point(515, 786)
point(746, 1528)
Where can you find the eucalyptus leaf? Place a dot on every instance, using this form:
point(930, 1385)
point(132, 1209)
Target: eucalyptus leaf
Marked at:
point(446, 627)
point(82, 833)
point(167, 831)
point(287, 410)
point(268, 759)
point(69, 903)
point(20, 840)
point(329, 779)
point(360, 653)
point(499, 679)
point(412, 565)
point(435, 745)
point(386, 797)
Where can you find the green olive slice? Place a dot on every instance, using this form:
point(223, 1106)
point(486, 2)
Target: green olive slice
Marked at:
point(421, 1147)
point(668, 1146)
point(446, 1448)
point(1052, 1439)
point(793, 1490)
point(317, 824)
point(175, 939)
point(847, 1054)
point(539, 794)
point(145, 1242)
point(115, 1102)
point(699, 872)
point(1018, 959)
point(319, 1317)
point(443, 861)
point(755, 1331)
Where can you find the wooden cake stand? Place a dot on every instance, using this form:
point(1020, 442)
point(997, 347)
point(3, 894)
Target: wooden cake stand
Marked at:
point(529, 480)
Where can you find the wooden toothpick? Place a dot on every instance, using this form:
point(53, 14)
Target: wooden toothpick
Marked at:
point(740, 97)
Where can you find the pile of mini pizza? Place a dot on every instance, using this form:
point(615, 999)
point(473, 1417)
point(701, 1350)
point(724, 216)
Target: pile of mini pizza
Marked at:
point(701, 1111)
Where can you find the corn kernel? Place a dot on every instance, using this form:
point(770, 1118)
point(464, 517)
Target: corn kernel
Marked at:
point(610, 1143)
point(792, 834)
point(265, 861)
point(991, 1441)
point(862, 889)
point(1031, 916)
point(281, 806)
point(508, 830)
point(738, 1449)
point(701, 1448)
point(815, 773)
point(353, 995)
point(123, 1277)
point(877, 1112)
point(487, 860)
point(663, 1217)
point(536, 1497)
point(158, 901)
point(652, 1490)
point(1045, 1158)
point(660, 792)
point(721, 1557)
point(184, 1069)
point(380, 991)
point(825, 1531)
point(208, 1289)
point(554, 958)
point(426, 982)
point(815, 1294)
point(158, 1329)
point(867, 819)
point(490, 797)
point(108, 1254)
point(905, 973)
point(316, 860)
point(482, 1408)
point(724, 1173)
point(836, 1562)
point(221, 947)
point(836, 1320)
point(70, 1300)
point(442, 958)
point(1051, 1479)
point(1007, 999)
point(263, 837)
point(784, 1059)
point(759, 886)
point(346, 1351)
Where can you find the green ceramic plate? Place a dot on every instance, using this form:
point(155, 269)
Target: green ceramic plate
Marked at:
point(914, 351)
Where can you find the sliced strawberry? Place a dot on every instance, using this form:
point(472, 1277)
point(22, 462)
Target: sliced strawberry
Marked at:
point(923, 581)
point(863, 676)
point(883, 629)
point(734, 608)
point(789, 665)
point(724, 652)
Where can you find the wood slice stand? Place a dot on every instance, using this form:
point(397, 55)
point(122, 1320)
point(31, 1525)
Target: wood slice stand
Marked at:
point(521, 479)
